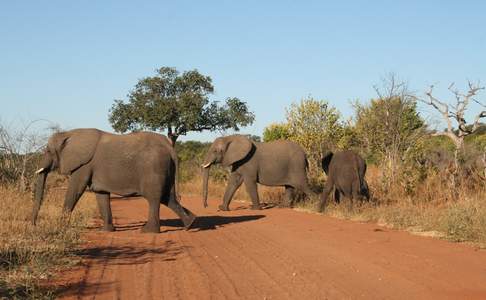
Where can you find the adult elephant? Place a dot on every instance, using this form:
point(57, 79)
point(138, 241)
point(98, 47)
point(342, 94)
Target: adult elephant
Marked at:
point(346, 174)
point(136, 164)
point(277, 163)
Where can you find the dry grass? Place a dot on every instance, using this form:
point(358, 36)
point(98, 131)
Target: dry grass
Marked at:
point(30, 255)
point(458, 221)
point(456, 214)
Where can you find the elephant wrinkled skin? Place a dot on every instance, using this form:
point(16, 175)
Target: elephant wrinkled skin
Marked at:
point(277, 163)
point(135, 164)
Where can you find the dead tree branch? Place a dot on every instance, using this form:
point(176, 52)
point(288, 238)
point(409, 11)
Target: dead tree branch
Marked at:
point(457, 111)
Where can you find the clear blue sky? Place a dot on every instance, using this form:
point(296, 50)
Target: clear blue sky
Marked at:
point(66, 61)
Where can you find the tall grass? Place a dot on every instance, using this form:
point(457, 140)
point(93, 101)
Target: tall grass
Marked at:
point(31, 255)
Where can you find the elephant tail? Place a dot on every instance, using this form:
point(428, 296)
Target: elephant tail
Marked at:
point(363, 186)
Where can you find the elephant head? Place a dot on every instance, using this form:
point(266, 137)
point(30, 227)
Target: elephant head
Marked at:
point(65, 152)
point(226, 151)
point(326, 160)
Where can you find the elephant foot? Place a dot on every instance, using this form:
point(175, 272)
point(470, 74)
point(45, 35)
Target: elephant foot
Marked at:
point(151, 228)
point(223, 208)
point(189, 221)
point(108, 227)
point(256, 207)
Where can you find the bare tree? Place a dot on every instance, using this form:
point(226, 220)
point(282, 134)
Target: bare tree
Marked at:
point(18, 150)
point(456, 112)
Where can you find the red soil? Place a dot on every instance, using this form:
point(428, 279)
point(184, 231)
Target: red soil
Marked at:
point(269, 254)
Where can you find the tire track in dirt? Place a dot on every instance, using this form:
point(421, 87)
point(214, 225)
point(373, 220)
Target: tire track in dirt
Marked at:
point(269, 254)
point(240, 269)
point(209, 260)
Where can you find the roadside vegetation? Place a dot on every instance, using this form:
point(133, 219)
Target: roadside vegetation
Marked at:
point(30, 256)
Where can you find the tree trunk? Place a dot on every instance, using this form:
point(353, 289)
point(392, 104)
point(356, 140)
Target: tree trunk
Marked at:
point(173, 138)
point(171, 135)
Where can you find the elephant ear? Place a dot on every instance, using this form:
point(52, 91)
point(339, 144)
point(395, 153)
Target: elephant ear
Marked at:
point(77, 148)
point(238, 147)
point(326, 160)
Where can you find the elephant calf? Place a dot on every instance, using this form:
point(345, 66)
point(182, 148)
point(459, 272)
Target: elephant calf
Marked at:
point(135, 164)
point(277, 163)
point(346, 174)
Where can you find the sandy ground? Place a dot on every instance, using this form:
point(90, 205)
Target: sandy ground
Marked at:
point(268, 254)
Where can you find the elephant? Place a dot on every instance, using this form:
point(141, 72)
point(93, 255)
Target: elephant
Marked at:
point(346, 174)
point(276, 163)
point(136, 164)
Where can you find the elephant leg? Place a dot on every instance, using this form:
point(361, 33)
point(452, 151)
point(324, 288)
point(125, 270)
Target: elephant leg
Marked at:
point(337, 196)
point(183, 213)
point(325, 194)
point(289, 196)
point(234, 183)
point(153, 220)
point(77, 185)
point(252, 190)
point(104, 207)
point(366, 191)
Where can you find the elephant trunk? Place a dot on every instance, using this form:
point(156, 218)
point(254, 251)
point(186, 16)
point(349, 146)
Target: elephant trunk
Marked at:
point(205, 185)
point(38, 194)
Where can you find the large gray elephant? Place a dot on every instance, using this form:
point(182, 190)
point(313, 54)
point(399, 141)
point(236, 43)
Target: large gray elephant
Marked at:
point(277, 163)
point(346, 174)
point(135, 164)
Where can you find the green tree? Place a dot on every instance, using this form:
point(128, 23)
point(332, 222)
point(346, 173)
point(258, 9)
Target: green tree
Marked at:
point(315, 125)
point(276, 131)
point(389, 127)
point(177, 103)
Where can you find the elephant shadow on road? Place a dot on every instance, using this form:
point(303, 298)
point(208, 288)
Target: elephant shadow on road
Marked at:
point(211, 222)
point(201, 223)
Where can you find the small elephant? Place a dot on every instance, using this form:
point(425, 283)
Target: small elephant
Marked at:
point(346, 174)
point(135, 164)
point(277, 163)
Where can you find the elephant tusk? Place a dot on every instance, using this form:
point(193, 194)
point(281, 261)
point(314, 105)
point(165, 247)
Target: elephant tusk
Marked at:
point(39, 171)
point(206, 165)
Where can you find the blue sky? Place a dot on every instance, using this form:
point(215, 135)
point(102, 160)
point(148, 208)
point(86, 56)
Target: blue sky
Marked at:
point(66, 61)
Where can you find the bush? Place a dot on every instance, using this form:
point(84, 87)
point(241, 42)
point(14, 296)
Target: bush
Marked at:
point(276, 131)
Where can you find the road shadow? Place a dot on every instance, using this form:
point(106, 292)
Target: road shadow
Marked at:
point(112, 255)
point(201, 223)
point(131, 255)
point(211, 222)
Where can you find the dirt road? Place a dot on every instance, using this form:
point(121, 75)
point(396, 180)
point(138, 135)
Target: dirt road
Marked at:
point(269, 254)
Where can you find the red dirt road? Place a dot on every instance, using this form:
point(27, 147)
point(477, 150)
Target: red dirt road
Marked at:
point(269, 254)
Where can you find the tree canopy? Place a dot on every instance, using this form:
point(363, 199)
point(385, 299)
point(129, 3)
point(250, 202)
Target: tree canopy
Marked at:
point(177, 103)
point(276, 131)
